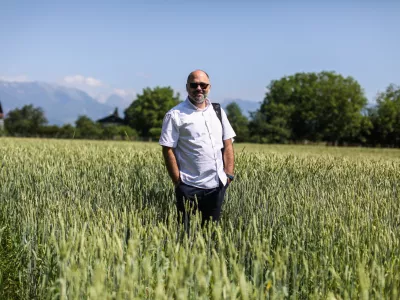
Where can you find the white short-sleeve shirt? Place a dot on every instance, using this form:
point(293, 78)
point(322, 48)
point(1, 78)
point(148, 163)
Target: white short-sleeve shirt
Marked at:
point(196, 136)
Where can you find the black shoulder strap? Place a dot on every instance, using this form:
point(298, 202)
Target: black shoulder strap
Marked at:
point(217, 108)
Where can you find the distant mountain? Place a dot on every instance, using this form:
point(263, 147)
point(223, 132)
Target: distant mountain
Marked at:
point(246, 106)
point(61, 104)
point(122, 103)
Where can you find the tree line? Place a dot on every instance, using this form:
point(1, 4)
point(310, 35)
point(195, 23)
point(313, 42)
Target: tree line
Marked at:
point(322, 107)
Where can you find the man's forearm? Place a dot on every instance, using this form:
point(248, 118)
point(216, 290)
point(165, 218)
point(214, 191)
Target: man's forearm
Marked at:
point(229, 160)
point(171, 164)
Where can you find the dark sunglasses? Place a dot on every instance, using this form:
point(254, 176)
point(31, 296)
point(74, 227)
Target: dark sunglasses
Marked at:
point(194, 85)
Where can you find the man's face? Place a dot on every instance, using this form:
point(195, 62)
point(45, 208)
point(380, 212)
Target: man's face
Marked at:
point(198, 87)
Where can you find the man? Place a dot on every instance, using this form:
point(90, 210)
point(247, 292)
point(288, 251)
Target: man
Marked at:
point(192, 138)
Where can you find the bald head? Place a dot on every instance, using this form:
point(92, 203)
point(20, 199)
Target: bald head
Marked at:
point(198, 86)
point(197, 73)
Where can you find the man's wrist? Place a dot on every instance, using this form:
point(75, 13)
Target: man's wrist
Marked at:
point(230, 176)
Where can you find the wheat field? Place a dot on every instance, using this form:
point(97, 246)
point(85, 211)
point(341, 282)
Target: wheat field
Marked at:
point(96, 220)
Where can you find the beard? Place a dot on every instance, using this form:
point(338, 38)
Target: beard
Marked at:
point(198, 99)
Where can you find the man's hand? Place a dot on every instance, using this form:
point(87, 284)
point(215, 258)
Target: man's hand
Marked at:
point(176, 183)
point(230, 178)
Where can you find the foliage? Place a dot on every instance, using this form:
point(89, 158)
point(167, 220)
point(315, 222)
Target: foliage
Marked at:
point(49, 131)
point(386, 118)
point(311, 106)
point(304, 107)
point(25, 121)
point(364, 134)
point(238, 121)
point(87, 219)
point(86, 128)
point(120, 133)
point(146, 113)
point(270, 124)
point(67, 131)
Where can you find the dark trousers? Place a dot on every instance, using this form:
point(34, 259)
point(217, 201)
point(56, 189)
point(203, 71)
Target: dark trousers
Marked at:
point(190, 199)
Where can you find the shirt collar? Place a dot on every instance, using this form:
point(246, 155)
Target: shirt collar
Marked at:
point(208, 102)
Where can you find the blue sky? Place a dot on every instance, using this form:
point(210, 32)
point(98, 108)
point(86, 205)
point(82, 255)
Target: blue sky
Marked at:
point(125, 46)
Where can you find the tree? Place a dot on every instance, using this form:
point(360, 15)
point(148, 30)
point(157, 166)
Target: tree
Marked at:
point(365, 130)
point(238, 121)
point(146, 113)
point(67, 131)
point(88, 129)
point(385, 117)
point(269, 124)
point(120, 133)
point(49, 131)
point(25, 121)
point(312, 106)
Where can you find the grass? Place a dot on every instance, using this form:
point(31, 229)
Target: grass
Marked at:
point(96, 220)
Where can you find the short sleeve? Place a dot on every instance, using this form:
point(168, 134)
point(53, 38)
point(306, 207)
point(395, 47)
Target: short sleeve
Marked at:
point(169, 132)
point(229, 133)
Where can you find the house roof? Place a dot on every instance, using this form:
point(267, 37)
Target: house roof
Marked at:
point(113, 118)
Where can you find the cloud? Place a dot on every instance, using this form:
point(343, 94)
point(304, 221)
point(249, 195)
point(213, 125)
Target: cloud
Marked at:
point(100, 91)
point(82, 80)
point(124, 93)
point(18, 78)
point(102, 98)
point(74, 79)
point(120, 92)
point(93, 82)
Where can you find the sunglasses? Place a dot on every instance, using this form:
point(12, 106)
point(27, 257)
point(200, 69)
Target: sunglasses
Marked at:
point(194, 85)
